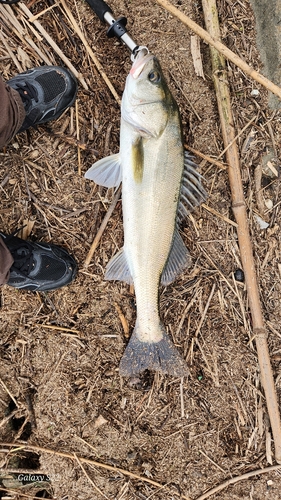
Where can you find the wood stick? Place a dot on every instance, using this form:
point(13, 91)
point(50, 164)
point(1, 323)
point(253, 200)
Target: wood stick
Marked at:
point(54, 46)
point(102, 227)
point(237, 479)
point(240, 213)
point(90, 52)
point(214, 41)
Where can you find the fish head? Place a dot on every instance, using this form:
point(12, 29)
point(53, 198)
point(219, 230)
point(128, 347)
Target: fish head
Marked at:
point(147, 102)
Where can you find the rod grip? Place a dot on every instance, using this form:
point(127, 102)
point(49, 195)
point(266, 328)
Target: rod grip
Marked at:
point(99, 7)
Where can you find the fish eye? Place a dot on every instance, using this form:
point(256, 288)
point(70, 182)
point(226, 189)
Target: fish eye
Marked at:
point(154, 76)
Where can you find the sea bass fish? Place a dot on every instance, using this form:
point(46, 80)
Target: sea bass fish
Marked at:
point(160, 185)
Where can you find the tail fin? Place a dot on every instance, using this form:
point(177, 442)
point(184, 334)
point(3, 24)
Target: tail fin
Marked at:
point(160, 356)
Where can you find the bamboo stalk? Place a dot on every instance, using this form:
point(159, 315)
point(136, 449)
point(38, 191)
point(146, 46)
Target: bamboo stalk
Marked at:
point(215, 42)
point(240, 213)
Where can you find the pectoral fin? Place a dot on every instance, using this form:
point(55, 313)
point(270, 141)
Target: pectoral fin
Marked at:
point(118, 269)
point(106, 172)
point(178, 260)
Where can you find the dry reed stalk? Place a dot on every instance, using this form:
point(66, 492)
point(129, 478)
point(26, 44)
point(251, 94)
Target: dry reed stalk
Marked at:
point(240, 213)
point(90, 52)
point(54, 46)
point(9, 18)
point(216, 43)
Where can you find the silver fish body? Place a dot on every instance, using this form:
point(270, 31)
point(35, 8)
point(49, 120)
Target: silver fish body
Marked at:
point(158, 183)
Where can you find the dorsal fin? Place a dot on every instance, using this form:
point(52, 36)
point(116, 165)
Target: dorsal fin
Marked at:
point(192, 192)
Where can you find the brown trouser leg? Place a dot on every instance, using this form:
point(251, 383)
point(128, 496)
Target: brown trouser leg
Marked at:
point(12, 113)
point(6, 260)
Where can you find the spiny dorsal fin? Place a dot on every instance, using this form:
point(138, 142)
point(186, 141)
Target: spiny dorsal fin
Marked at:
point(192, 192)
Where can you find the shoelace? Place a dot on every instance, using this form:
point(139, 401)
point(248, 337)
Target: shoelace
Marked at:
point(23, 259)
point(27, 92)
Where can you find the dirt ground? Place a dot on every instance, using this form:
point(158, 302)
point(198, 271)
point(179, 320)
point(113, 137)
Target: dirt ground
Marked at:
point(60, 389)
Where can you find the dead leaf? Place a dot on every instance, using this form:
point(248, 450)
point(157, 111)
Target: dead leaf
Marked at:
point(99, 422)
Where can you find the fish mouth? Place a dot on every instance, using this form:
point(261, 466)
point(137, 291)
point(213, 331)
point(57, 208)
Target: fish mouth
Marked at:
point(142, 57)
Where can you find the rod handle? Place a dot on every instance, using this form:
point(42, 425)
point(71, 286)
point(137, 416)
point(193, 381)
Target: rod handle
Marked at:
point(99, 7)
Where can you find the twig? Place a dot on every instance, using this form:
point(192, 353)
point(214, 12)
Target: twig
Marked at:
point(214, 42)
point(5, 420)
point(233, 480)
point(215, 212)
point(33, 18)
point(236, 479)
point(16, 493)
point(54, 46)
point(8, 392)
point(240, 213)
point(206, 157)
point(89, 479)
point(54, 327)
point(71, 456)
point(14, 59)
point(78, 137)
point(212, 461)
point(205, 310)
point(123, 320)
point(102, 227)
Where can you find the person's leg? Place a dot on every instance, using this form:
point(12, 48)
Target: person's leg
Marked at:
point(36, 96)
point(12, 113)
point(6, 261)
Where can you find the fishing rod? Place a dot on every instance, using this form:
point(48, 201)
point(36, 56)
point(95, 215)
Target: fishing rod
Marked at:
point(117, 27)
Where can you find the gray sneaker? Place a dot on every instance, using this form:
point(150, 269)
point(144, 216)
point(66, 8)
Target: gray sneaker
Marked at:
point(38, 267)
point(46, 92)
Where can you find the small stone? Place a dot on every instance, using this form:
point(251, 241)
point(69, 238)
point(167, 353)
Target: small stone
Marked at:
point(239, 275)
point(268, 203)
point(255, 93)
point(262, 223)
